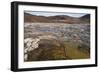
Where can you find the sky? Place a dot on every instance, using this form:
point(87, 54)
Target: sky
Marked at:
point(43, 13)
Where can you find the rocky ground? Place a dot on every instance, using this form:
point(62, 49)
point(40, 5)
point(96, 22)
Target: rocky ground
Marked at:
point(56, 41)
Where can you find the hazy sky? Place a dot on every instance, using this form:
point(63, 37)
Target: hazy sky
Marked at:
point(55, 13)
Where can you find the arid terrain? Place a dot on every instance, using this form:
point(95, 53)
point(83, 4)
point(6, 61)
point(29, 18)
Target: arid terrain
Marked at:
point(56, 40)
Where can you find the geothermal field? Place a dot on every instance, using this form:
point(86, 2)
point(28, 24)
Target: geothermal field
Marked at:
point(57, 41)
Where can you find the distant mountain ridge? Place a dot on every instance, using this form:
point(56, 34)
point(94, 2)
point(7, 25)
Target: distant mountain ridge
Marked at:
point(86, 16)
point(56, 19)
